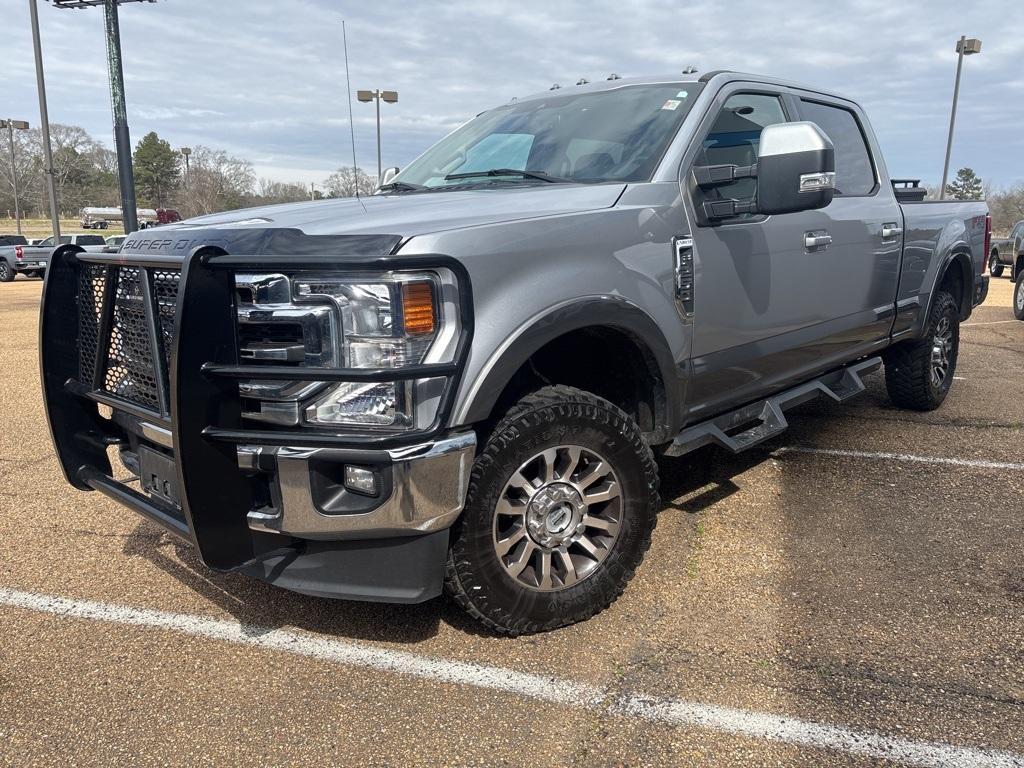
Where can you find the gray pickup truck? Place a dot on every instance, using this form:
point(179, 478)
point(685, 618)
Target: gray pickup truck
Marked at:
point(31, 260)
point(1009, 252)
point(462, 382)
point(12, 248)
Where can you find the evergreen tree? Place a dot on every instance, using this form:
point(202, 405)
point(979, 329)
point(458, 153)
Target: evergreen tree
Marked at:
point(156, 169)
point(966, 186)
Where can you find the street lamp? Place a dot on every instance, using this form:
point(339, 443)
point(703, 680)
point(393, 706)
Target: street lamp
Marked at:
point(185, 152)
point(390, 97)
point(10, 125)
point(965, 46)
point(115, 72)
point(44, 120)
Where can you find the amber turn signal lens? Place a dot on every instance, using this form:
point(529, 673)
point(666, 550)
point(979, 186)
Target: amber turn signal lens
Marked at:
point(418, 308)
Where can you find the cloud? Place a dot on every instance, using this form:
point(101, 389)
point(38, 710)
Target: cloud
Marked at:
point(266, 80)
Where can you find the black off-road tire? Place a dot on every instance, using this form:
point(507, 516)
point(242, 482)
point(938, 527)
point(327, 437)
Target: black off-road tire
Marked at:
point(995, 267)
point(549, 417)
point(1018, 297)
point(6, 272)
point(908, 365)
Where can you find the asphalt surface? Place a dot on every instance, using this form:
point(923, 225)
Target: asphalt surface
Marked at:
point(876, 594)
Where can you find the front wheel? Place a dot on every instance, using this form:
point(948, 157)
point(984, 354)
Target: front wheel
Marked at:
point(561, 506)
point(995, 267)
point(919, 373)
point(1018, 297)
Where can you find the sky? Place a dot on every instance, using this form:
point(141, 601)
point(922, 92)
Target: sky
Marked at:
point(265, 79)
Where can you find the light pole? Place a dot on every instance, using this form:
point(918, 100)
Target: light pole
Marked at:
point(44, 121)
point(115, 72)
point(378, 95)
point(185, 152)
point(10, 125)
point(965, 46)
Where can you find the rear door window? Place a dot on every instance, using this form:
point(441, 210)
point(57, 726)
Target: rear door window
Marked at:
point(855, 174)
point(90, 240)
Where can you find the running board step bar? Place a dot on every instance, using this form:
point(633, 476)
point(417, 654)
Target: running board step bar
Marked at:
point(764, 419)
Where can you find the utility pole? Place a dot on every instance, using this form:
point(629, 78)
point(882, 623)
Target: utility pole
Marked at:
point(964, 47)
point(378, 95)
point(21, 125)
point(44, 122)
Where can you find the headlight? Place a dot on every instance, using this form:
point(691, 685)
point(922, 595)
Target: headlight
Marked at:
point(390, 320)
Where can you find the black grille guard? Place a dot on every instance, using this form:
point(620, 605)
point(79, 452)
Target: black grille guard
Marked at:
point(203, 412)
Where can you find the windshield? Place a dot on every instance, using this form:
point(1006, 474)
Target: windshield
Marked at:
point(615, 135)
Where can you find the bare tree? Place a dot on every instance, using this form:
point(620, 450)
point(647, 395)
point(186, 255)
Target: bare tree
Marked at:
point(346, 181)
point(1006, 207)
point(216, 182)
point(269, 192)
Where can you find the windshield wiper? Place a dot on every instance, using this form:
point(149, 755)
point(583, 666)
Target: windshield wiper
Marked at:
point(509, 172)
point(401, 186)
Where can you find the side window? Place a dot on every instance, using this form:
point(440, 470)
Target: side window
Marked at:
point(1017, 230)
point(854, 173)
point(734, 139)
point(47, 242)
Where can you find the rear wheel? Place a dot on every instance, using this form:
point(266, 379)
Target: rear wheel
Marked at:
point(995, 267)
point(6, 272)
point(561, 506)
point(919, 373)
point(1018, 297)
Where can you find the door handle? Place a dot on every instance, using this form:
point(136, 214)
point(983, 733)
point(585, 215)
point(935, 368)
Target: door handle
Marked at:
point(817, 239)
point(891, 230)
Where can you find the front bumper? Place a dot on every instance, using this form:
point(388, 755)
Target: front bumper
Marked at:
point(421, 489)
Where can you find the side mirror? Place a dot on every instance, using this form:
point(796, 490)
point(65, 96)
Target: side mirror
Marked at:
point(796, 168)
point(387, 176)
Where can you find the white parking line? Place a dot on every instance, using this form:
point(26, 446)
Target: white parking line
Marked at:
point(976, 463)
point(990, 322)
point(758, 725)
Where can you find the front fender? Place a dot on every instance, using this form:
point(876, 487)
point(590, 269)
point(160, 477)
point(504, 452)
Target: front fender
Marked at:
point(478, 397)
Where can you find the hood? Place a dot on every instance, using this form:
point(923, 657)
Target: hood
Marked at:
point(414, 213)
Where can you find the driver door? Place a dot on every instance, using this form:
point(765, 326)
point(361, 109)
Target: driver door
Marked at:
point(756, 326)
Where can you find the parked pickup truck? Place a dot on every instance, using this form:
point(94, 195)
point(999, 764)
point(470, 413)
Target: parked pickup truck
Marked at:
point(32, 260)
point(11, 247)
point(461, 383)
point(1008, 252)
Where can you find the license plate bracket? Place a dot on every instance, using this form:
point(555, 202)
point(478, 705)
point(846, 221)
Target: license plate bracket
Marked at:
point(158, 475)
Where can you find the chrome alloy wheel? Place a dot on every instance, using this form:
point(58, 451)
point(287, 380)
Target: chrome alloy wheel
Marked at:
point(1019, 300)
point(942, 351)
point(557, 518)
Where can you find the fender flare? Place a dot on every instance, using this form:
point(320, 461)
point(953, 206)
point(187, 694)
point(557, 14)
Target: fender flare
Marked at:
point(612, 312)
point(961, 254)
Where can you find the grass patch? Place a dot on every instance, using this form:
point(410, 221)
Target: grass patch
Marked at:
point(41, 228)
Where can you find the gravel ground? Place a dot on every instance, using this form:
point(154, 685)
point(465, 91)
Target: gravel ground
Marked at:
point(877, 594)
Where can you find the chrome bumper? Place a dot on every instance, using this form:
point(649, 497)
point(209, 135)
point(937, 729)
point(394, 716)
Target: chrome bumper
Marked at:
point(428, 485)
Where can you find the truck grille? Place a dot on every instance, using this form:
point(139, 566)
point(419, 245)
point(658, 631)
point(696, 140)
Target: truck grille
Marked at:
point(128, 358)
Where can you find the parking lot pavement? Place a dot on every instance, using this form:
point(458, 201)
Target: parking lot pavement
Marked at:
point(796, 608)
